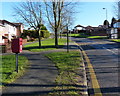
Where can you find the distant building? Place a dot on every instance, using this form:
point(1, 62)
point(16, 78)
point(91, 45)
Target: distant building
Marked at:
point(98, 31)
point(116, 30)
point(79, 29)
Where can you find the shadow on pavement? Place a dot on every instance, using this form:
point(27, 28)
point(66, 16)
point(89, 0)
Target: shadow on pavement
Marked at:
point(110, 91)
point(42, 93)
point(100, 46)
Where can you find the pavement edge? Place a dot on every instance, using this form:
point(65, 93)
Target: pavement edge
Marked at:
point(85, 76)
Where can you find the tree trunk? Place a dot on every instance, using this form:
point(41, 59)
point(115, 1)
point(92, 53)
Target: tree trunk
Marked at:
point(56, 38)
point(39, 38)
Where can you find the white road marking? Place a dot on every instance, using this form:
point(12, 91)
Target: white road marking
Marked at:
point(110, 50)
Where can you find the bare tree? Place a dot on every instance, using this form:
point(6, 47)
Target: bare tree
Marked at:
point(59, 14)
point(30, 14)
point(117, 9)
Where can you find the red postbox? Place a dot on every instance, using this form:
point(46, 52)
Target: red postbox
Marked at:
point(16, 45)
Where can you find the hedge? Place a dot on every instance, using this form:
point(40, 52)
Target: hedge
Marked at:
point(34, 34)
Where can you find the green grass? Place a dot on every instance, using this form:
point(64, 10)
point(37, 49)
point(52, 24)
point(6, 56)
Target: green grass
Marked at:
point(8, 67)
point(74, 35)
point(68, 65)
point(97, 37)
point(47, 44)
point(115, 40)
point(83, 35)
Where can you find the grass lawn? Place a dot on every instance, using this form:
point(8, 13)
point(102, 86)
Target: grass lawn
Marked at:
point(116, 40)
point(82, 35)
point(8, 67)
point(74, 35)
point(47, 44)
point(78, 35)
point(68, 65)
point(97, 37)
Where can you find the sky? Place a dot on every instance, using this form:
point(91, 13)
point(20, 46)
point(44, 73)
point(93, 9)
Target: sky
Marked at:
point(93, 14)
point(89, 13)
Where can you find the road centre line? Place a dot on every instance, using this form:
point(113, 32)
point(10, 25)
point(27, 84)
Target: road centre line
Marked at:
point(95, 84)
point(108, 50)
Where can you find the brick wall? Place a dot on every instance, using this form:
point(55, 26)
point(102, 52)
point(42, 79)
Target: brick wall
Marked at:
point(6, 47)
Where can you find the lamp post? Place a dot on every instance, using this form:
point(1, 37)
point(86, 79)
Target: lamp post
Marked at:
point(109, 34)
point(106, 12)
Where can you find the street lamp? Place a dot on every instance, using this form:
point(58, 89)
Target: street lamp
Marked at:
point(108, 32)
point(106, 12)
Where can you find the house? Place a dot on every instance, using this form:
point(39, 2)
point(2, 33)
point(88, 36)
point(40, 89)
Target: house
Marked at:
point(115, 29)
point(8, 31)
point(79, 29)
point(1, 32)
point(99, 31)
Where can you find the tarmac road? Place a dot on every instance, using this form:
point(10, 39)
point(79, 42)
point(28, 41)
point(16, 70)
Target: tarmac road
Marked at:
point(103, 56)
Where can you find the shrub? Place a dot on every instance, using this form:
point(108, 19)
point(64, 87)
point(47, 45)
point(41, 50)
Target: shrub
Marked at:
point(30, 33)
point(34, 34)
point(45, 34)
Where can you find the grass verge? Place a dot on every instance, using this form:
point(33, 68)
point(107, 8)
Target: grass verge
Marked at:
point(47, 44)
point(68, 65)
point(8, 68)
point(115, 40)
point(82, 35)
point(97, 37)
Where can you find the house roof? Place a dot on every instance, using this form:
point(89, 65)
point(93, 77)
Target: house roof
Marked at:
point(1, 24)
point(5, 21)
point(78, 26)
point(18, 24)
point(13, 24)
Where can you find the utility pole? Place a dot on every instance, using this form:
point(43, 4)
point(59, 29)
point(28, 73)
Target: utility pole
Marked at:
point(67, 40)
point(106, 24)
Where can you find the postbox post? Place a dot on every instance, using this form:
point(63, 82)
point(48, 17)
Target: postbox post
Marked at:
point(16, 48)
point(16, 55)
